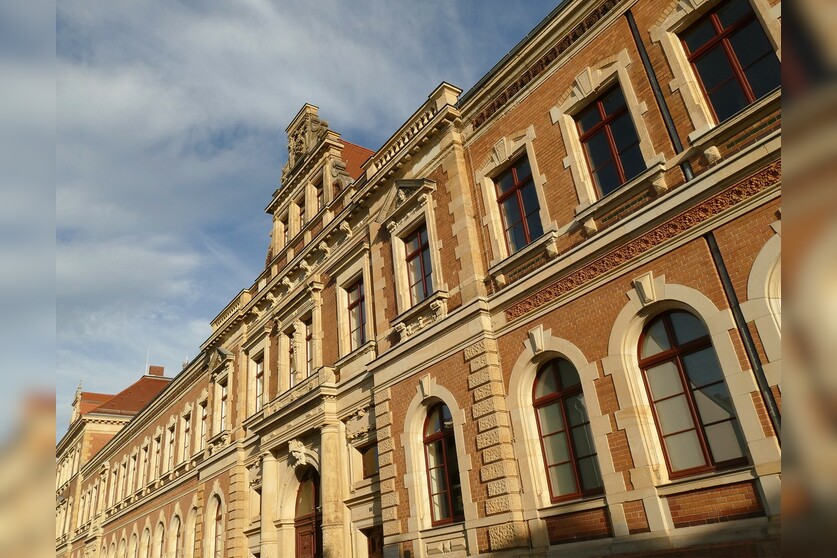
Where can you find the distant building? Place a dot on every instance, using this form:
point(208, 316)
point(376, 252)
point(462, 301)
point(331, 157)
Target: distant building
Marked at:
point(544, 316)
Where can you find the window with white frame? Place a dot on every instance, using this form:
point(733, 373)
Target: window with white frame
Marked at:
point(419, 266)
point(513, 195)
point(353, 323)
point(309, 348)
point(724, 56)
point(170, 447)
point(602, 125)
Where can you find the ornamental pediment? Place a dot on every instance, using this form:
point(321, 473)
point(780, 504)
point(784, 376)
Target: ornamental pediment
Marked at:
point(305, 132)
point(405, 197)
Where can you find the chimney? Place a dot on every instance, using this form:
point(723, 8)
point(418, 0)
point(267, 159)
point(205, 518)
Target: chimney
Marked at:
point(155, 370)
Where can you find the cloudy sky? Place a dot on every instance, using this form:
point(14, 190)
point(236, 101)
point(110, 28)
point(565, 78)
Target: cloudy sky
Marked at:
point(170, 119)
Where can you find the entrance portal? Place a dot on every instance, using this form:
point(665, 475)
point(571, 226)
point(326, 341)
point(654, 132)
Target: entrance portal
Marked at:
point(308, 518)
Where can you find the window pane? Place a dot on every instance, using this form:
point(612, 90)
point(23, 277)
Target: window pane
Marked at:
point(698, 35)
point(674, 415)
point(428, 271)
point(764, 75)
point(656, 339)
point(687, 327)
point(522, 169)
point(727, 100)
point(412, 244)
point(517, 237)
point(613, 101)
point(664, 380)
point(530, 198)
point(713, 403)
point(550, 418)
point(511, 211)
point(588, 118)
point(733, 11)
point(505, 182)
point(567, 373)
point(607, 178)
point(632, 161)
point(576, 411)
point(435, 455)
point(684, 451)
point(624, 133)
point(434, 421)
point(588, 469)
point(725, 441)
point(750, 43)
point(533, 221)
point(702, 367)
point(438, 483)
point(556, 448)
point(582, 441)
point(562, 479)
point(714, 68)
point(598, 149)
point(546, 383)
point(440, 506)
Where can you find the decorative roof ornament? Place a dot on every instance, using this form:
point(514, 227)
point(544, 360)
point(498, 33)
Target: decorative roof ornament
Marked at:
point(305, 131)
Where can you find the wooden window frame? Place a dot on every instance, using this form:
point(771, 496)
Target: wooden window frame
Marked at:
point(350, 307)
point(516, 190)
point(442, 436)
point(426, 279)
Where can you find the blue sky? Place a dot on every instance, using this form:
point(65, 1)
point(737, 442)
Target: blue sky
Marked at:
point(170, 121)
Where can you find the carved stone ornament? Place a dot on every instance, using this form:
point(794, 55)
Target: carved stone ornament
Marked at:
point(644, 287)
point(359, 423)
point(255, 471)
point(296, 454)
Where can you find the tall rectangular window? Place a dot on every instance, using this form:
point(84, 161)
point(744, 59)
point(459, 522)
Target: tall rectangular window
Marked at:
point(291, 360)
point(204, 419)
point(318, 189)
point(223, 406)
point(286, 232)
point(301, 205)
point(144, 470)
point(732, 57)
point(170, 450)
point(357, 315)
point(610, 141)
point(259, 382)
point(309, 352)
point(187, 434)
point(519, 205)
point(132, 471)
point(419, 270)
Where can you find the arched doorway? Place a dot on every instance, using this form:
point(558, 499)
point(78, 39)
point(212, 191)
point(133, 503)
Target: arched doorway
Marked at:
point(307, 517)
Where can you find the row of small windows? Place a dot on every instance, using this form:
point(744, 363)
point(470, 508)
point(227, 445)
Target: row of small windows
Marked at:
point(177, 544)
point(735, 65)
point(691, 405)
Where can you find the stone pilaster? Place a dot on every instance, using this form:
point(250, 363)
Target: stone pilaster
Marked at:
point(386, 462)
point(237, 508)
point(499, 477)
point(331, 493)
point(269, 536)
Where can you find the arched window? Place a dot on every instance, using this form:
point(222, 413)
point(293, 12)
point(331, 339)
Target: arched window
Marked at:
point(692, 405)
point(145, 545)
point(216, 529)
point(176, 539)
point(133, 547)
point(566, 441)
point(442, 467)
point(159, 540)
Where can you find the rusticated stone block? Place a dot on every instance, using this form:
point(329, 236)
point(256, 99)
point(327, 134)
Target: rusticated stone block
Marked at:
point(492, 421)
point(484, 361)
point(480, 347)
point(508, 485)
point(490, 405)
point(493, 437)
point(488, 390)
point(492, 373)
point(495, 471)
point(389, 500)
point(496, 453)
point(508, 535)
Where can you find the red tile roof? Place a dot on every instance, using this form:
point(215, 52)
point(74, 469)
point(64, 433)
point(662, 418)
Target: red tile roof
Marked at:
point(133, 398)
point(355, 155)
point(91, 400)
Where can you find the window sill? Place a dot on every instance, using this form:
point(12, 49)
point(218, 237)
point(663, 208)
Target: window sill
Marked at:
point(500, 268)
point(432, 308)
point(652, 177)
point(707, 480)
point(707, 138)
point(572, 506)
point(350, 358)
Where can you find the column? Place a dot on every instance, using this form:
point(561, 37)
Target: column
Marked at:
point(269, 545)
point(331, 491)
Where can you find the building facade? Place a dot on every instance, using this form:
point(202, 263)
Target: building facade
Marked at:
point(542, 319)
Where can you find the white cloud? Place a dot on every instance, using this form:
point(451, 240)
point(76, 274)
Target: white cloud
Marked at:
point(171, 120)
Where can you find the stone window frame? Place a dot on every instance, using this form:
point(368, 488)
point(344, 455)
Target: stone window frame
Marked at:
point(210, 535)
point(358, 269)
point(540, 347)
point(257, 349)
point(171, 435)
point(222, 379)
point(763, 304)
point(175, 537)
point(184, 450)
point(429, 393)
point(205, 431)
point(587, 86)
point(398, 230)
point(504, 153)
point(683, 14)
point(649, 298)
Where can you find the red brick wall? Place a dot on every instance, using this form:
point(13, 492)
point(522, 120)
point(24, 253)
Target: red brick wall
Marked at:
point(635, 516)
point(580, 526)
point(714, 505)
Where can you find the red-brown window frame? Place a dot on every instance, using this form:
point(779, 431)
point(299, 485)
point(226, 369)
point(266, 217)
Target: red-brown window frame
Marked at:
point(309, 347)
point(187, 430)
point(442, 435)
point(560, 396)
point(604, 123)
point(675, 354)
point(259, 382)
point(419, 253)
point(358, 303)
point(516, 190)
point(722, 36)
